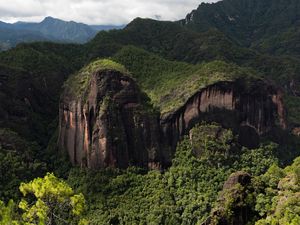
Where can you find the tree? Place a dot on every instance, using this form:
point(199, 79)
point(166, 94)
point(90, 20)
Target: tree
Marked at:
point(283, 202)
point(50, 200)
point(8, 213)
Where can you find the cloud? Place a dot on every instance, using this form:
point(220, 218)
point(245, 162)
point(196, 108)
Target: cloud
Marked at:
point(96, 11)
point(21, 8)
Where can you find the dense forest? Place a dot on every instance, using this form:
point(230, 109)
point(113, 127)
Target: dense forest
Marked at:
point(188, 122)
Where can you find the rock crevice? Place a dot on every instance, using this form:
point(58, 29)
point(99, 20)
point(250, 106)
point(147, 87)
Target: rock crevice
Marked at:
point(257, 108)
point(111, 124)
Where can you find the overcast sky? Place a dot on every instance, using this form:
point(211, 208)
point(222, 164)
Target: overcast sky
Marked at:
point(96, 11)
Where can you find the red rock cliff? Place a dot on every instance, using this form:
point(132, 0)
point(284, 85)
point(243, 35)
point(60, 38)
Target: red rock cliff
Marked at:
point(109, 125)
point(250, 110)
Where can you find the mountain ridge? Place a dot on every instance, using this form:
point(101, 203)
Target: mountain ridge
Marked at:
point(49, 29)
point(156, 117)
point(262, 25)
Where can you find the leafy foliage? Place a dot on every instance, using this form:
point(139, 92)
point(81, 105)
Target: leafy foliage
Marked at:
point(183, 194)
point(279, 203)
point(208, 139)
point(55, 202)
point(257, 161)
point(170, 62)
point(77, 83)
point(170, 84)
point(274, 29)
point(47, 200)
point(19, 162)
point(8, 213)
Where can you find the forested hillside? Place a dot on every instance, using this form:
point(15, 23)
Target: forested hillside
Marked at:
point(188, 122)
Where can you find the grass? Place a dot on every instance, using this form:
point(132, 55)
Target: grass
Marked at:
point(77, 84)
point(169, 84)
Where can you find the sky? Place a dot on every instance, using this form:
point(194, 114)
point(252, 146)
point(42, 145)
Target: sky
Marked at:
point(108, 12)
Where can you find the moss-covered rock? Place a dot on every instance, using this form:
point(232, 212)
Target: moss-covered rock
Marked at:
point(78, 83)
point(106, 121)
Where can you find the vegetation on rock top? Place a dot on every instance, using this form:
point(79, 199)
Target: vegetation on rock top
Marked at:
point(169, 84)
point(232, 39)
point(78, 83)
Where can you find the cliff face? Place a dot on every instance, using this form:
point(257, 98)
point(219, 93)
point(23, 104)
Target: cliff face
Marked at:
point(109, 125)
point(251, 111)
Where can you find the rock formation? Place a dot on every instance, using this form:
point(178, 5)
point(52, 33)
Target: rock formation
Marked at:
point(251, 110)
point(108, 121)
point(109, 125)
point(232, 199)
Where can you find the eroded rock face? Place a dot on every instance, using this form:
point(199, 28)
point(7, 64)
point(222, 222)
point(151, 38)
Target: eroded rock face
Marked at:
point(296, 131)
point(235, 105)
point(239, 177)
point(232, 199)
point(109, 125)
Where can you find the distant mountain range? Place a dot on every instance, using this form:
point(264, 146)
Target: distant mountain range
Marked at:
point(179, 103)
point(50, 29)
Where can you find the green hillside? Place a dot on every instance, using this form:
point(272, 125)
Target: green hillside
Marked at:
point(245, 40)
point(169, 84)
point(271, 26)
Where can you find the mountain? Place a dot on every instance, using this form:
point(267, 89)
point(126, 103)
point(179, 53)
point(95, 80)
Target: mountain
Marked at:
point(185, 122)
point(270, 26)
point(11, 37)
point(60, 30)
point(195, 47)
point(106, 27)
point(50, 29)
point(154, 42)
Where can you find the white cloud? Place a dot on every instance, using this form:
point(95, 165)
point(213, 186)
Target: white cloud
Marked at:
point(96, 11)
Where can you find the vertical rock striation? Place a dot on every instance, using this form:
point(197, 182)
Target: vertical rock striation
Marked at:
point(110, 125)
point(109, 122)
point(250, 110)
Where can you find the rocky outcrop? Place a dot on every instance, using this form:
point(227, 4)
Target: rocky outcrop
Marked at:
point(106, 121)
point(110, 124)
point(296, 131)
point(251, 110)
point(239, 177)
point(232, 207)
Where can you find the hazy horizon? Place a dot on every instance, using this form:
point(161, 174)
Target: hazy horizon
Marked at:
point(93, 12)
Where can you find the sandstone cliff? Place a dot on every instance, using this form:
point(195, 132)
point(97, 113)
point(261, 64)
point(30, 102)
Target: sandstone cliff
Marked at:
point(109, 124)
point(250, 109)
point(106, 121)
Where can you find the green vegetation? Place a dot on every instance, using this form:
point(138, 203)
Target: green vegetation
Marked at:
point(47, 200)
point(208, 139)
point(77, 84)
point(168, 40)
point(8, 213)
point(186, 193)
point(273, 30)
point(20, 161)
point(183, 194)
point(293, 108)
point(278, 203)
point(170, 62)
point(169, 84)
point(31, 79)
